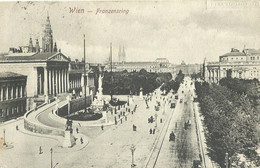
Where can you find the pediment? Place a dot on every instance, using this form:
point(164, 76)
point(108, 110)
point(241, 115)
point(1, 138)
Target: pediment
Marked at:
point(58, 57)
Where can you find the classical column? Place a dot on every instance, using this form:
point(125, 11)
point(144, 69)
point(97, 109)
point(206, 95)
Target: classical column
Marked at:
point(12, 92)
point(59, 81)
point(1, 93)
point(45, 81)
point(21, 91)
point(67, 78)
point(52, 82)
point(49, 82)
point(17, 90)
point(62, 81)
point(7, 90)
point(55, 81)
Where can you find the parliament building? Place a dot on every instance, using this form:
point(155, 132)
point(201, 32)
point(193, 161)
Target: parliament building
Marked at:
point(45, 72)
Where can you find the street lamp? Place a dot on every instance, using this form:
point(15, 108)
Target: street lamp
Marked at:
point(51, 156)
point(132, 150)
point(4, 144)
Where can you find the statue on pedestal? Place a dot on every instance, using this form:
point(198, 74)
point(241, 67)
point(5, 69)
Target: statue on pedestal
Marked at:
point(69, 139)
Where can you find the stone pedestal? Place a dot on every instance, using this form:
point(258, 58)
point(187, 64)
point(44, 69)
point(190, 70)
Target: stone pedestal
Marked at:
point(69, 139)
point(141, 94)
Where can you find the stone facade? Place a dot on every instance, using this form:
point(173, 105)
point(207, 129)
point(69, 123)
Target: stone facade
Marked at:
point(12, 95)
point(235, 64)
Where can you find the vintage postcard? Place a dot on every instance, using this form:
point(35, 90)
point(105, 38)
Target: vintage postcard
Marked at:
point(120, 84)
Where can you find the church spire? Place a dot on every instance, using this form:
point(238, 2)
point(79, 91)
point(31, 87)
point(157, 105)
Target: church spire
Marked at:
point(123, 55)
point(119, 54)
point(55, 47)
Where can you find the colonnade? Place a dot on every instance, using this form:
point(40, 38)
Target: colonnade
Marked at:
point(57, 82)
point(12, 92)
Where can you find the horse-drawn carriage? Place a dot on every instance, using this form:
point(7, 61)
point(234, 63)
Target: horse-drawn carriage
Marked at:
point(187, 124)
point(172, 137)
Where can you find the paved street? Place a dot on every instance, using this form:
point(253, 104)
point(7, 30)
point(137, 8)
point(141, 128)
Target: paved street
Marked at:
point(108, 148)
point(112, 148)
point(184, 150)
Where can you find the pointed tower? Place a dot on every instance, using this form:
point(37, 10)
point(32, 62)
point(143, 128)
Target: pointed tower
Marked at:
point(30, 47)
point(123, 55)
point(119, 54)
point(37, 46)
point(47, 40)
point(55, 47)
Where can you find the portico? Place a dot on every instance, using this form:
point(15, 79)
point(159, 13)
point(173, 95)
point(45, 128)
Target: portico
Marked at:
point(47, 73)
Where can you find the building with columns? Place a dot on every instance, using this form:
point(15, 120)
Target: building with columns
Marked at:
point(12, 95)
point(47, 73)
point(235, 64)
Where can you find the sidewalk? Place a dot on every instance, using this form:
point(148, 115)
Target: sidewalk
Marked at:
point(23, 146)
point(207, 160)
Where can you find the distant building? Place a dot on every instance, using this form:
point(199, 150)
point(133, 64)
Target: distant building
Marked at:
point(159, 65)
point(12, 95)
point(188, 69)
point(235, 64)
point(76, 77)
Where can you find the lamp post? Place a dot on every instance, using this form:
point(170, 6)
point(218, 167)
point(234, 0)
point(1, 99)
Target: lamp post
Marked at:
point(132, 150)
point(51, 156)
point(4, 144)
point(226, 158)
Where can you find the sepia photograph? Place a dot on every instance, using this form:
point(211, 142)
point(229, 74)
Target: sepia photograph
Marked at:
point(130, 84)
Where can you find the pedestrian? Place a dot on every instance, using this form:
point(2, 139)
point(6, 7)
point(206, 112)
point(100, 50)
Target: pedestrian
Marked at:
point(151, 131)
point(81, 140)
point(77, 130)
point(102, 127)
point(115, 121)
point(17, 128)
point(132, 112)
point(121, 120)
point(126, 118)
point(161, 120)
point(40, 150)
point(154, 131)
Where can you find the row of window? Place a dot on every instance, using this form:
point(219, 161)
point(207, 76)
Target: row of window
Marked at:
point(12, 92)
point(12, 111)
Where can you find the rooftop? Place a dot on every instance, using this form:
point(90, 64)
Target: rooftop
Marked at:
point(10, 74)
point(28, 56)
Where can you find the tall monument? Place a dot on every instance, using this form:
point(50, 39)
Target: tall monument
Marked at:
point(47, 40)
point(100, 89)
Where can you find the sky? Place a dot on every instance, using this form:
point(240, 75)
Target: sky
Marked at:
point(179, 31)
